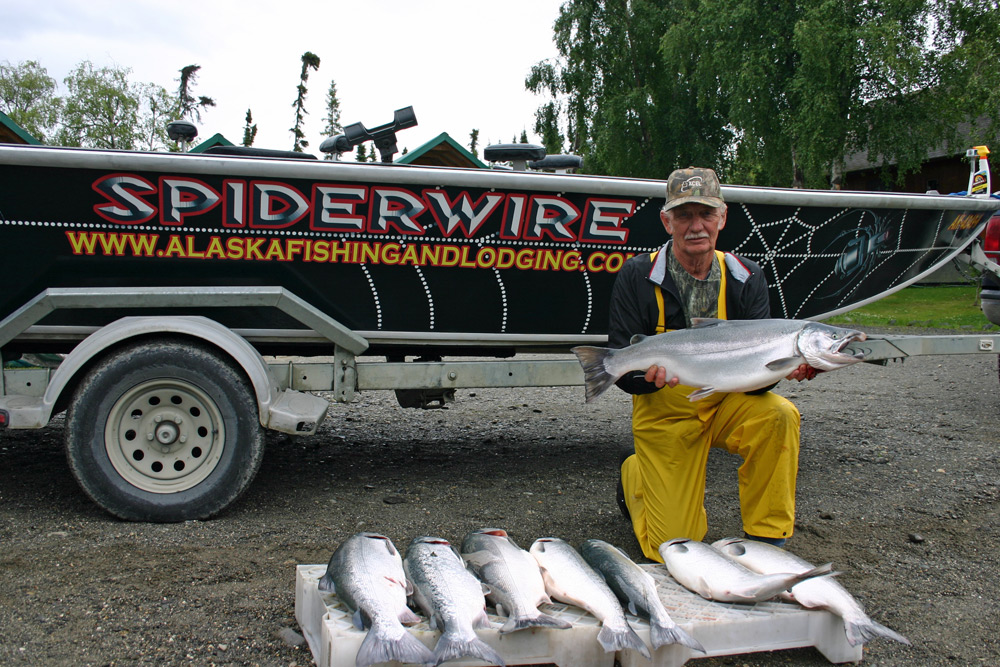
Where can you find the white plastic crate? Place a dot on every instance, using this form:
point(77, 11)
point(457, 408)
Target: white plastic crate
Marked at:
point(727, 628)
point(722, 628)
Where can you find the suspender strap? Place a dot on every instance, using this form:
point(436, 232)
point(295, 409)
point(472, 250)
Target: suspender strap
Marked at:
point(661, 321)
point(722, 286)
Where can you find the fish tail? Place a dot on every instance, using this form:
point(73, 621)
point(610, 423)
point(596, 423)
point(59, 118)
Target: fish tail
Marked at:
point(452, 647)
point(515, 623)
point(823, 570)
point(864, 630)
point(617, 639)
point(377, 648)
point(597, 380)
point(662, 635)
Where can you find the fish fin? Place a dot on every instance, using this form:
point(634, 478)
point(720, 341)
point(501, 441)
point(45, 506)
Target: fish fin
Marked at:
point(864, 630)
point(638, 338)
point(510, 540)
point(734, 548)
point(663, 635)
point(477, 559)
point(499, 608)
point(702, 322)
point(826, 569)
point(407, 617)
point(482, 621)
point(358, 620)
point(326, 584)
point(632, 609)
point(451, 647)
point(375, 649)
point(405, 584)
point(772, 585)
point(623, 638)
point(702, 588)
point(515, 623)
point(596, 379)
point(701, 393)
point(783, 363)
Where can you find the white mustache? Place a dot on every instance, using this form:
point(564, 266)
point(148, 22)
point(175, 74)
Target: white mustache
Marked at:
point(692, 237)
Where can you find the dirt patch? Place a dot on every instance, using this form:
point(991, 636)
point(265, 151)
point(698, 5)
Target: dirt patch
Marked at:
point(898, 486)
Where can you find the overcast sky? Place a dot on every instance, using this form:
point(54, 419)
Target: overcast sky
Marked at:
point(460, 63)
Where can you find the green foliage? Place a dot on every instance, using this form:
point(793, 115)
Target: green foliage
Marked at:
point(332, 127)
point(942, 307)
point(27, 96)
point(189, 106)
point(157, 108)
point(309, 61)
point(547, 127)
point(101, 110)
point(624, 110)
point(968, 38)
point(249, 130)
point(474, 142)
point(773, 93)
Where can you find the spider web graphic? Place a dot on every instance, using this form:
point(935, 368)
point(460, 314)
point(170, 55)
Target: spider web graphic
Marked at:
point(782, 247)
point(822, 260)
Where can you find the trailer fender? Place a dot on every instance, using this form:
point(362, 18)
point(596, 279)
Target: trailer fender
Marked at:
point(287, 411)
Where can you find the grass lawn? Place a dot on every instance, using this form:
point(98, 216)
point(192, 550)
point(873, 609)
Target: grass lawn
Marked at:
point(938, 306)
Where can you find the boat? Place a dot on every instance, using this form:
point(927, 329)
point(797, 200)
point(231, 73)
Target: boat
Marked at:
point(464, 261)
point(184, 302)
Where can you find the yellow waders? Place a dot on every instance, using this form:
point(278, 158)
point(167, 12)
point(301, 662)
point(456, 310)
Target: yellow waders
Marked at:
point(664, 481)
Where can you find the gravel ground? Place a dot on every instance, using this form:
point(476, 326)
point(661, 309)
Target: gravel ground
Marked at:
point(898, 486)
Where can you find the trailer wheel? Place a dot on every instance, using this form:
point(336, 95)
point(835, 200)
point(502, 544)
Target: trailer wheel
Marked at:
point(164, 430)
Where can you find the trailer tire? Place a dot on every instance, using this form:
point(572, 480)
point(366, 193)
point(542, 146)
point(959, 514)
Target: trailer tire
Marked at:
point(164, 430)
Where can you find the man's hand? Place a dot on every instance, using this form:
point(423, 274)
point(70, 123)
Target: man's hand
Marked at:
point(658, 376)
point(803, 372)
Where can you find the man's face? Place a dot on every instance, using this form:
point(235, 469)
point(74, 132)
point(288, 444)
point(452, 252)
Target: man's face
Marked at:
point(694, 227)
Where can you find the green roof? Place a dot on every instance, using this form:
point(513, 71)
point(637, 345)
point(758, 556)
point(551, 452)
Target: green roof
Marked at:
point(9, 128)
point(444, 151)
point(214, 140)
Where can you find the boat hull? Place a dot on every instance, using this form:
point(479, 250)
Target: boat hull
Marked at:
point(475, 259)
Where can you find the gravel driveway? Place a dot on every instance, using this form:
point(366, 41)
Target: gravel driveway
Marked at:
point(898, 487)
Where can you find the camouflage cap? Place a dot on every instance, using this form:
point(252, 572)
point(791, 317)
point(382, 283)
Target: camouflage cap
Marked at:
point(694, 184)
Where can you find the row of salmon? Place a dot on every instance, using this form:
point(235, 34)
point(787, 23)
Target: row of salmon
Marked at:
point(369, 575)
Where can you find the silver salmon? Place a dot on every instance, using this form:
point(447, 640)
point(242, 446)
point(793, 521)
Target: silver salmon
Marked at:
point(568, 578)
point(636, 588)
point(707, 572)
point(723, 355)
point(822, 593)
point(366, 573)
point(451, 597)
point(513, 577)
